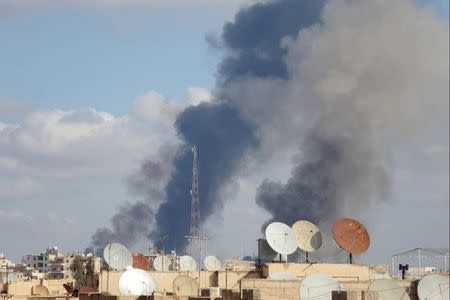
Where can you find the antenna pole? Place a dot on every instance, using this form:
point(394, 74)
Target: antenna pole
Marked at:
point(195, 204)
point(199, 240)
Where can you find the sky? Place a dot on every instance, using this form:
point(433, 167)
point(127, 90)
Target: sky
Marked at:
point(90, 90)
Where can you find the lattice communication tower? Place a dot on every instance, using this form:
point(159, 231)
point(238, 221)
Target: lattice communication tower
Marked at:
point(195, 205)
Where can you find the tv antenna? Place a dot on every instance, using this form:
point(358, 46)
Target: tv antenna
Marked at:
point(199, 240)
point(161, 241)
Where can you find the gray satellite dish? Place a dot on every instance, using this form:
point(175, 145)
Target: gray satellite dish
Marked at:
point(388, 289)
point(187, 263)
point(433, 287)
point(136, 282)
point(281, 238)
point(282, 276)
point(117, 256)
point(318, 286)
point(162, 263)
point(308, 236)
point(212, 263)
point(184, 285)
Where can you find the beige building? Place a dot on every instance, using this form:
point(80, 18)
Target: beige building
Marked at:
point(54, 264)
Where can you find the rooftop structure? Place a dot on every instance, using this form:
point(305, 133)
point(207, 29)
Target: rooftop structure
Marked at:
point(421, 261)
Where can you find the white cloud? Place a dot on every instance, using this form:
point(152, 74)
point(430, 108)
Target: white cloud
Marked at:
point(88, 142)
point(13, 108)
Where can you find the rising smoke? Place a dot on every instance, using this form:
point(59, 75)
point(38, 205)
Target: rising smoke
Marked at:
point(336, 81)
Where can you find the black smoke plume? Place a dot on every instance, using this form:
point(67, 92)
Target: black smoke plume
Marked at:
point(252, 47)
point(326, 78)
point(331, 171)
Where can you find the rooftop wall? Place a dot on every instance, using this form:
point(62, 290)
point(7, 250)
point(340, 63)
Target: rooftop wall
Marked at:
point(342, 272)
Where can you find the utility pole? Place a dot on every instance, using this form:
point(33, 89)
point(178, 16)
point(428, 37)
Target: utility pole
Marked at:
point(199, 240)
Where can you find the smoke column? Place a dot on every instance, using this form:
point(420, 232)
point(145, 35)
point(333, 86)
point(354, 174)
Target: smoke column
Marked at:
point(357, 78)
point(251, 44)
point(328, 79)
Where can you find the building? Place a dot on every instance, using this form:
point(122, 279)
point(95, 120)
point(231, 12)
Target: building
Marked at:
point(7, 269)
point(53, 264)
point(5, 262)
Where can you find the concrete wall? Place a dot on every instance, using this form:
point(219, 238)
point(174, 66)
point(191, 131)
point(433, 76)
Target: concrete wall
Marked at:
point(109, 281)
point(342, 272)
point(24, 288)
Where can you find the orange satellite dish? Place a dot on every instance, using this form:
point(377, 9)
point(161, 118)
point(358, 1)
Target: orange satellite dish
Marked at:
point(84, 290)
point(351, 236)
point(140, 261)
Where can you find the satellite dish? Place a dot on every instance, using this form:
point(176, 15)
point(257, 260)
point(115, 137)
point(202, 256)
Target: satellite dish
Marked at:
point(212, 263)
point(40, 290)
point(117, 256)
point(184, 285)
point(388, 289)
point(281, 238)
point(318, 286)
point(309, 238)
point(351, 236)
point(140, 261)
point(86, 290)
point(187, 263)
point(433, 287)
point(136, 282)
point(162, 263)
point(282, 276)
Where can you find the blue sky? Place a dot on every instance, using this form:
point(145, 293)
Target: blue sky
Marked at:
point(56, 60)
point(76, 57)
point(69, 57)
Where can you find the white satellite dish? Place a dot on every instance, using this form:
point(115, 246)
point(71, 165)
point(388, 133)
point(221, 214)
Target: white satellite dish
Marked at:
point(433, 287)
point(184, 285)
point(281, 238)
point(162, 263)
point(212, 263)
point(388, 289)
point(136, 282)
point(309, 238)
point(318, 286)
point(187, 263)
point(282, 276)
point(117, 256)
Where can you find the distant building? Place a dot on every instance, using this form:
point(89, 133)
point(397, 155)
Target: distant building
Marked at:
point(53, 264)
point(5, 263)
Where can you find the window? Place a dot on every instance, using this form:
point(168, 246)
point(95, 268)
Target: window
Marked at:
point(40, 265)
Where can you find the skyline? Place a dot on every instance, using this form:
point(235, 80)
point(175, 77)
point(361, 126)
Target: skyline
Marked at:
point(89, 94)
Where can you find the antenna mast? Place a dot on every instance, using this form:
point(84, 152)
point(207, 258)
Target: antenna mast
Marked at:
point(195, 204)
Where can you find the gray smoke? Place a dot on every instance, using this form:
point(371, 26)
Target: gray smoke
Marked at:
point(333, 171)
point(134, 221)
point(366, 74)
point(343, 83)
